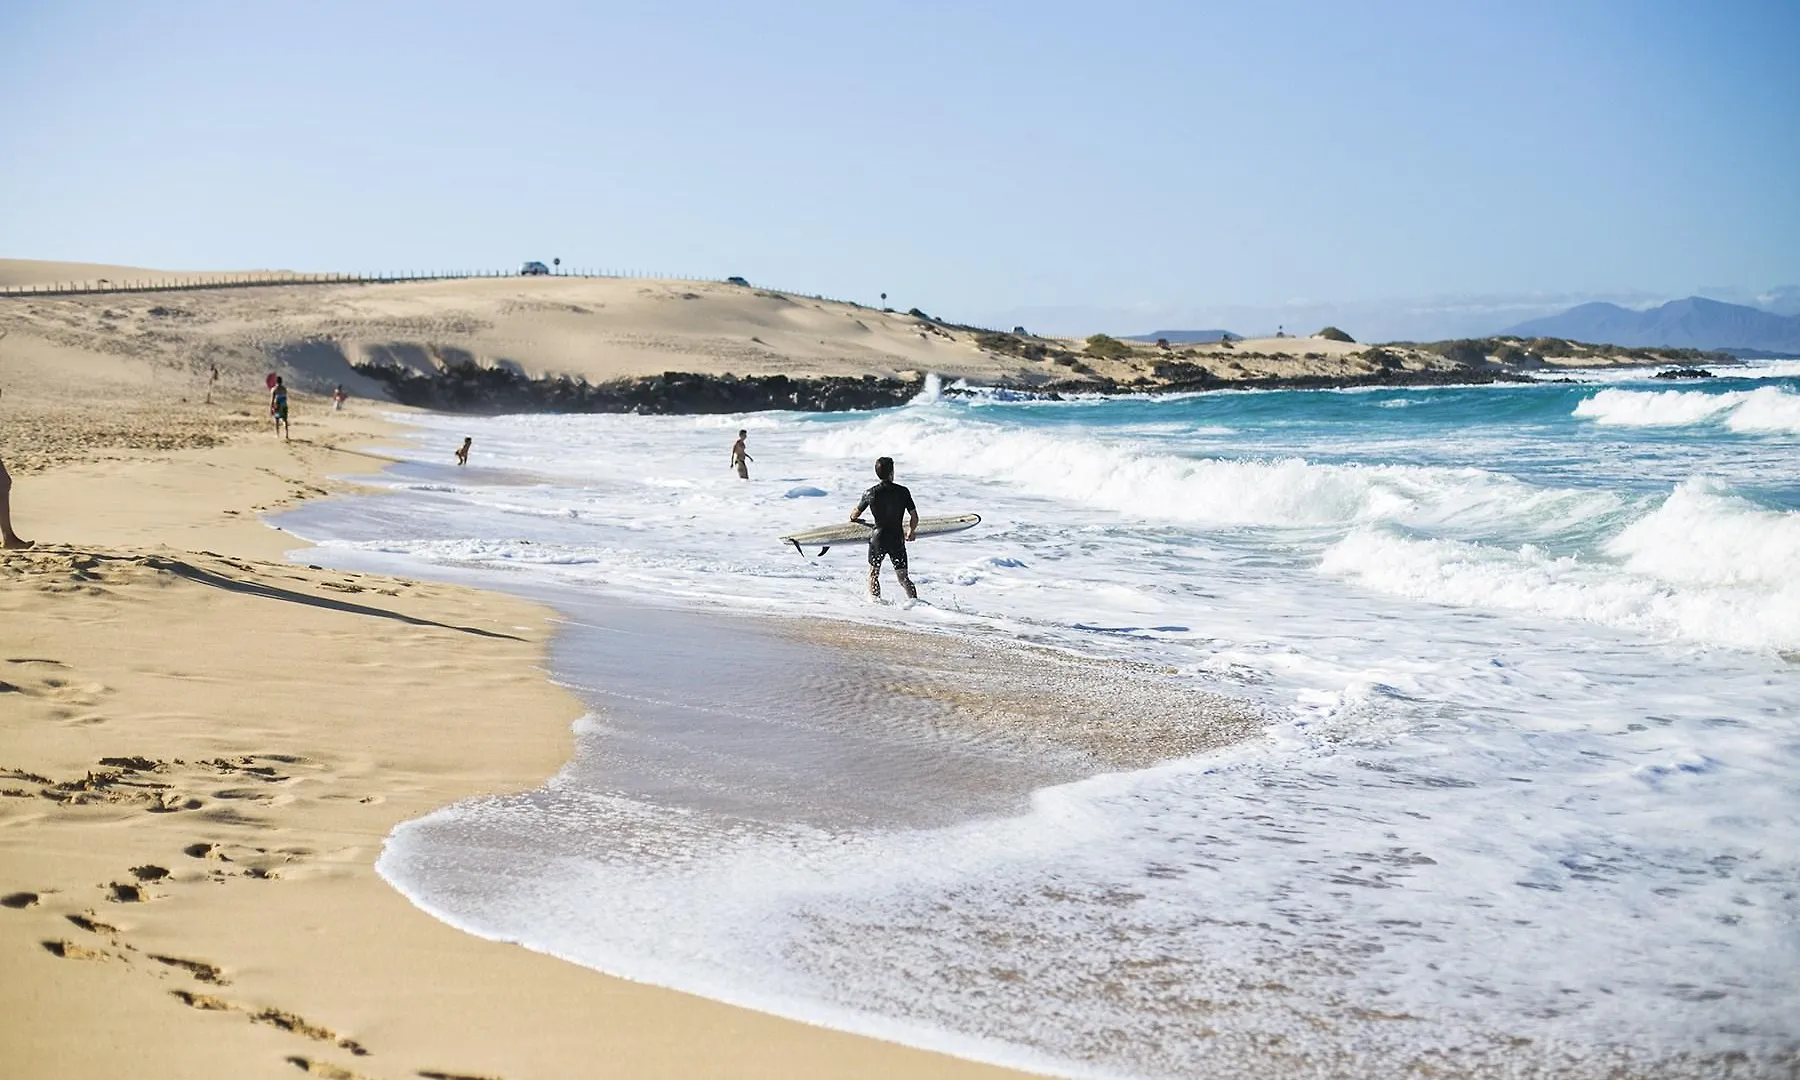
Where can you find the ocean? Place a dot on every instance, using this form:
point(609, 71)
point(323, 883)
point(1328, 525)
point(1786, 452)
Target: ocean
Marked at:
point(1510, 778)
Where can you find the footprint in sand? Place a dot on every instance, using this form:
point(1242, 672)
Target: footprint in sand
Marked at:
point(244, 793)
point(19, 900)
point(323, 1068)
point(92, 925)
point(120, 892)
point(68, 950)
point(199, 969)
point(170, 804)
point(286, 1021)
point(261, 864)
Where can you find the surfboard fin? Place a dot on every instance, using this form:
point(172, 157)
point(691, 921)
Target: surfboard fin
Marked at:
point(824, 549)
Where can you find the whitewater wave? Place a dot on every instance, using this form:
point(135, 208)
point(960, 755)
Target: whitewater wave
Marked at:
point(1146, 481)
point(1704, 566)
point(1763, 410)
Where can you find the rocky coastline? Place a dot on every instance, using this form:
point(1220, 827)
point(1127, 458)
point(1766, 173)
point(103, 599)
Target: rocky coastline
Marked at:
point(471, 388)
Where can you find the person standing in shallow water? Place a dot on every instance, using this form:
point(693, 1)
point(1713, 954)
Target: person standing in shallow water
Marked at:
point(278, 408)
point(740, 458)
point(462, 452)
point(889, 502)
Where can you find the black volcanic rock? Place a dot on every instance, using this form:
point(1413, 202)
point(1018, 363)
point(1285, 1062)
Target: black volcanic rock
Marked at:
point(472, 388)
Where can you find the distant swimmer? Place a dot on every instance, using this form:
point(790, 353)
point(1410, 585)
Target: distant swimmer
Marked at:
point(278, 407)
point(462, 452)
point(8, 538)
point(889, 502)
point(739, 458)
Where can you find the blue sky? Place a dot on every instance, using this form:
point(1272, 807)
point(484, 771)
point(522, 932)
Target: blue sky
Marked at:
point(1112, 166)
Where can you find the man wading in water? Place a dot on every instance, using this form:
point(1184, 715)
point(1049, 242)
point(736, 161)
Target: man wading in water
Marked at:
point(739, 456)
point(889, 502)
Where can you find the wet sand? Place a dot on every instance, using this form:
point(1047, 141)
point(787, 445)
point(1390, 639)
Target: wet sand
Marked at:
point(202, 748)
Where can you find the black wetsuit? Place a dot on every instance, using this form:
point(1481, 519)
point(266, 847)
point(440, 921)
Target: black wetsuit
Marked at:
point(889, 502)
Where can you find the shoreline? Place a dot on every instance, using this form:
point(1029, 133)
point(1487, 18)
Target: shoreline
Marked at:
point(190, 819)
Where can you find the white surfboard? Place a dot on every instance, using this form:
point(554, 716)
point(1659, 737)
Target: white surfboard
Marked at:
point(850, 530)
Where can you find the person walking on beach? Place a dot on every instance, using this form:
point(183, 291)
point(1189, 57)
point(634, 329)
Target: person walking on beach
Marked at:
point(337, 398)
point(278, 408)
point(212, 380)
point(889, 502)
point(740, 458)
point(462, 452)
point(9, 539)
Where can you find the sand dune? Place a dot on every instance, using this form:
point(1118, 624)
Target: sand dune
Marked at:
point(602, 329)
point(592, 328)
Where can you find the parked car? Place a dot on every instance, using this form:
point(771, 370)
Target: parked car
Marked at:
point(533, 269)
point(737, 281)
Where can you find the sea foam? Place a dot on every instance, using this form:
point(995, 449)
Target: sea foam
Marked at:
point(1765, 409)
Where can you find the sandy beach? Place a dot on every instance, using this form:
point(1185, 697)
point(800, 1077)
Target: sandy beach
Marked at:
point(202, 747)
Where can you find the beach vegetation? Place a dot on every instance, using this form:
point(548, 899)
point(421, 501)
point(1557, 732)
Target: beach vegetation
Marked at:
point(1465, 351)
point(1010, 345)
point(1512, 355)
point(1107, 347)
point(1332, 333)
point(1549, 346)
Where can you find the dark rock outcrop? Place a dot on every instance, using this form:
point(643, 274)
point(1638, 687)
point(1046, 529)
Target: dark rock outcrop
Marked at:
point(469, 387)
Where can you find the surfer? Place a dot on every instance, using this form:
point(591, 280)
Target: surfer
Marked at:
point(889, 502)
point(739, 456)
point(278, 407)
point(462, 452)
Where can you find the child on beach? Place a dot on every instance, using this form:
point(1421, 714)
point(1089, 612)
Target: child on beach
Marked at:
point(278, 408)
point(462, 452)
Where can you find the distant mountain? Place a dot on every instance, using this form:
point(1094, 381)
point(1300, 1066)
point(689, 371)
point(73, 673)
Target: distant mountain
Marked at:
point(1694, 323)
point(1188, 337)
